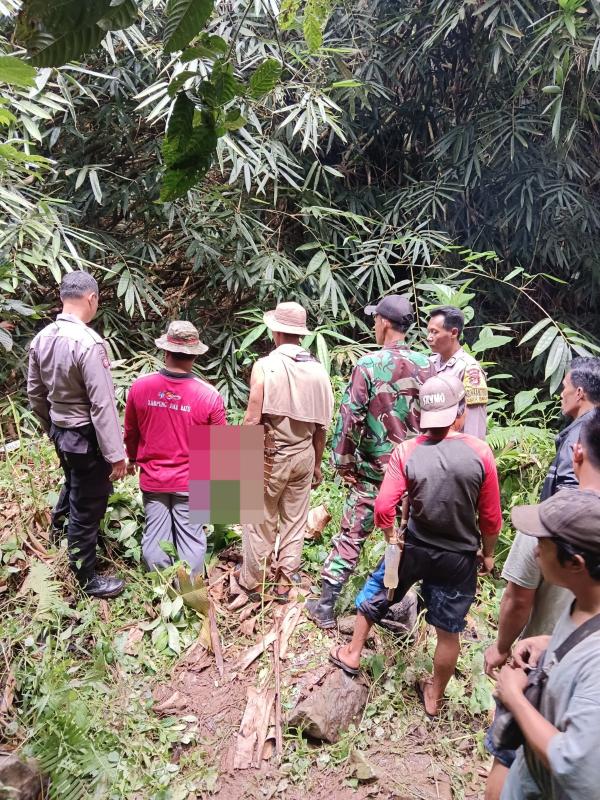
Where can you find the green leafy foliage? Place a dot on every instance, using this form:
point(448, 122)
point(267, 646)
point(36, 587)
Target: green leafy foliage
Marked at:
point(264, 79)
point(57, 32)
point(316, 14)
point(185, 18)
point(16, 72)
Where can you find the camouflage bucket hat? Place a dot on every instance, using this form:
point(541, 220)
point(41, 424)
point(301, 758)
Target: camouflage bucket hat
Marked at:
point(181, 337)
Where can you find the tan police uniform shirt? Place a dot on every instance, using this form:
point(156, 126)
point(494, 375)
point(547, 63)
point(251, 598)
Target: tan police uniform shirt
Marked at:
point(467, 369)
point(69, 382)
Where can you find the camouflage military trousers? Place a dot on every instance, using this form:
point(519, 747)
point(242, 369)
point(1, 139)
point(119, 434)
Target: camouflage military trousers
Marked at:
point(357, 523)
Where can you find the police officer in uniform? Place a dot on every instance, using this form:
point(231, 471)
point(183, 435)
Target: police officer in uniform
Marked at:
point(70, 390)
point(444, 329)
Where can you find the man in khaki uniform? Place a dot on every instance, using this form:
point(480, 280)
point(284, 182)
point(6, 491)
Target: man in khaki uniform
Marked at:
point(444, 329)
point(290, 393)
point(71, 392)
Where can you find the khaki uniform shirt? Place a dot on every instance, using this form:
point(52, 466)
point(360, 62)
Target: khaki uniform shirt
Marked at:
point(69, 383)
point(467, 369)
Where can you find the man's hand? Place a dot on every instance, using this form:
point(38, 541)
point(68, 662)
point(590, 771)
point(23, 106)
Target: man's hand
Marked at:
point(317, 478)
point(527, 652)
point(7, 326)
point(119, 470)
point(494, 660)
point(510, 685)
point(392, 536)
point(132, 468)
point(348, 476)
point(485, 563)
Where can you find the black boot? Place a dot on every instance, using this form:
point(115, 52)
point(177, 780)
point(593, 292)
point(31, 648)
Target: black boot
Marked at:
point(320, 611)
point(103, 586)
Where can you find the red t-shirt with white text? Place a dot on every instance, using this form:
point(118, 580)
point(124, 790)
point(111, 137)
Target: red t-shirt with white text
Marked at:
point(160, 410)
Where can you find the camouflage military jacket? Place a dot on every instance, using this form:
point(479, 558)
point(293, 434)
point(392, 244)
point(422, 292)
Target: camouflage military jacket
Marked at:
point(379, 408)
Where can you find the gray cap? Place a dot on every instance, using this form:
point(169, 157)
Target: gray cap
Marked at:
point(395, 307)
point(571, 515)
point(439, 398)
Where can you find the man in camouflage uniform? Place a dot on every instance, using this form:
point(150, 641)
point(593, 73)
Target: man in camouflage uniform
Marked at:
point(444, 329)
point(380, 407)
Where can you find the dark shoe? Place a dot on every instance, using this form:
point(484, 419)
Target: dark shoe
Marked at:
point(104, 586)
point(321, 611)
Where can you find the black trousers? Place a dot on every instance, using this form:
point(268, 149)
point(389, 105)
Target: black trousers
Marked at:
point(84, 496)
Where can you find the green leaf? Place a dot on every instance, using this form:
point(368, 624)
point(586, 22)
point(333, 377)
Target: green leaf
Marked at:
point(173, 638)
point(316, 14)
point(168, 548)
point(185, 18)
point(49, 51)
point(523, 400)
point(119, 16)
point(15, 72)
point(95, 184)
point(265, 78)
point(555, 356)
point(179, 80)
point(6, 117)
point(544, 341)
point(6, 340)
point(182, 116)
point(288, 14)
point(251, 337)
point(539, 326)
point(234, 120)
point(488, 342)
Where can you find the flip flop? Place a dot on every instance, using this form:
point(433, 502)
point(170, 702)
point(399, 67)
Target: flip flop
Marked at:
point(341, 664)
point(421, 696)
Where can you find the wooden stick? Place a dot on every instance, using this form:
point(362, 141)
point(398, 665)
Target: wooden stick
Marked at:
point(287, 628)
point(278, 728)
point(253, 652)
point(214, 638)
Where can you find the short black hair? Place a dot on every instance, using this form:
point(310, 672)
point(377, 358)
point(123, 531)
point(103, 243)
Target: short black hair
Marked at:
point(565, 552)
point(585, 373)
point(181, 356)
point(77, 284)
point(589, 436)
point(400, 325)
point(453, 317)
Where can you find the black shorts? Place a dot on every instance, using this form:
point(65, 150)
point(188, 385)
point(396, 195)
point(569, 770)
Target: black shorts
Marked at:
point(449, 584)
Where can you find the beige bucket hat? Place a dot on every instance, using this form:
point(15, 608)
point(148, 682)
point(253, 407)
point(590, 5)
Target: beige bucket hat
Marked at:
point(181, 337)
point(287, 318)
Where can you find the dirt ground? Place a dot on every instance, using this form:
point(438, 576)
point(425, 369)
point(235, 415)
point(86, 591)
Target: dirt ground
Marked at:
point(403, 763)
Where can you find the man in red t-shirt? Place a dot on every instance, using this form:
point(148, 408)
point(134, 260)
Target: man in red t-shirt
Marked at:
point(160, 410)
point(455, 518)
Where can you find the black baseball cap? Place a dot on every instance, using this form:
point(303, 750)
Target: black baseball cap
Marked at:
point(395, 307)
point(571, 515)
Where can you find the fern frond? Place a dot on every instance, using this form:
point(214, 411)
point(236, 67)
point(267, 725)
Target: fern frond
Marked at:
point(41, 582)
point(500, 438)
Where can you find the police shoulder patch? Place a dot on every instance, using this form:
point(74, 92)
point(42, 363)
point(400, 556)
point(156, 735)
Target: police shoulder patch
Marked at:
point(476, 391)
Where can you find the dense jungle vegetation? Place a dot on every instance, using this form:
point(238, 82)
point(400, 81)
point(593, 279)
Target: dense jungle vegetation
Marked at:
point(205, 162)
point(446, 149)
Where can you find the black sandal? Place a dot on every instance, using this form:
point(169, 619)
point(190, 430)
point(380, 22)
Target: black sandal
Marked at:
point(335, 659)
point(421, 695)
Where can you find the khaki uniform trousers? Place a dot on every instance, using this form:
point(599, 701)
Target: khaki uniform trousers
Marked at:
point(286, 511)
